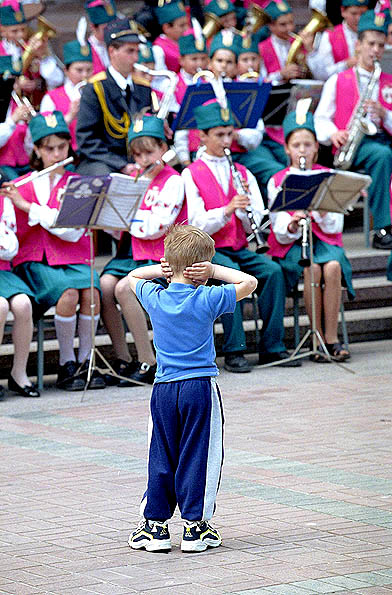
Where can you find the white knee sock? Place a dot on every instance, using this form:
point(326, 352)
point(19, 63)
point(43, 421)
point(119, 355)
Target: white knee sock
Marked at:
point(65, 330)
point(84, 333)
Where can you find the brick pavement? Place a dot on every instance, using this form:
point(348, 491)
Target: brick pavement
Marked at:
point(305, 503)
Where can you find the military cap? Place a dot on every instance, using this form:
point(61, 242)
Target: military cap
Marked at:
point(168, 11)
point(373, 21)
point(46, 124)
point(147, 126)
point(74, 52)
point(211, 114)
point(124, 31)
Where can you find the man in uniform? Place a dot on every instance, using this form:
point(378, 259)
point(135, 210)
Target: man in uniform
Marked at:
point(108, 103)
point(341, 97)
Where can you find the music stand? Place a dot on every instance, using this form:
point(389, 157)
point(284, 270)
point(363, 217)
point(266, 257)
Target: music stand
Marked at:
point(317, 190)
point(88, 202)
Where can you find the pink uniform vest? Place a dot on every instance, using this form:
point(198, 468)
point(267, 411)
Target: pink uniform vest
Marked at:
point(144, 249)
point(13, 152)
point(232, 235)
point(63, 104)
point(338, 43)
point(171, 51)
point(280, 250)
point(5, 265)
point(347, 95)
point(35, 243)
point(98, 65)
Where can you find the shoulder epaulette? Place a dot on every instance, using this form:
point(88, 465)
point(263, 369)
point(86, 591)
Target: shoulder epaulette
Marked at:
point(100, 76)
point(139, 80)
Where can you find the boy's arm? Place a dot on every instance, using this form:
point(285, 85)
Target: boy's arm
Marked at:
point(147, 273)
point(244, 284)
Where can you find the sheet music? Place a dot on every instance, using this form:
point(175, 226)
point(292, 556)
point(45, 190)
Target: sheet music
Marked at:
point(122, 201)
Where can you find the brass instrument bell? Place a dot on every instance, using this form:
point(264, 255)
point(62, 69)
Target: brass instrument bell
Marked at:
point(318, 22)
point(212, 25)
point(45, 30)
point(255, 19)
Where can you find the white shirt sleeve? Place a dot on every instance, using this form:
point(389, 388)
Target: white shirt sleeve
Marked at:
point(8, 241)
point(164, 210)
point(329, 222)
point(325, 112)
point(6, 129)
point(280, 220)
point(51, 72)
point(250, 138)
point(47, 104)
point(210, 221)
point(181, 145)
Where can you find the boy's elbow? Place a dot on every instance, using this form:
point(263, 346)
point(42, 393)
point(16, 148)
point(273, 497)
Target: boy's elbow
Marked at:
point(252, 284)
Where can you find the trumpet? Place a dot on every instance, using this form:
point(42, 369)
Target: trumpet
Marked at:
point(23, 101)
point(255, 19)
point(45, 31)
point(318, 22)
point(43, 172)
point(212, 25)
point(164, 106)
point(207, 74)
point(251, 74)
point(240, 188)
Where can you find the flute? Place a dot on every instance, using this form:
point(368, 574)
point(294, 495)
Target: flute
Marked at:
point(43, 172)
point(304, 261)
point(240, 188)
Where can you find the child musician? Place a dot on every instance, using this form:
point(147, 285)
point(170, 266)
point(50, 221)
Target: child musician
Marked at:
point(331, 265)
point(15, 144)
point(162, 205)
point(15, 297)
point(174, 22)
point(52, 261)
point(100, 13)
point(217, 206)
point(78, 68)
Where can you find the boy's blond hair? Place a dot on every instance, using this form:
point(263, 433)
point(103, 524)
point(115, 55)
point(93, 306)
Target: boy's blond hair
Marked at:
point(185, 245)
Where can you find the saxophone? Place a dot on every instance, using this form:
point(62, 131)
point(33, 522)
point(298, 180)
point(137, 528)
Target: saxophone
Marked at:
point(359, 125)
point(164, 106)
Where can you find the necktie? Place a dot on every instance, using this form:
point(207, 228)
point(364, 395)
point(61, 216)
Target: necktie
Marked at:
point(128, 94)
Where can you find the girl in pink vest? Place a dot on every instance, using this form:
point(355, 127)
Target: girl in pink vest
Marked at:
point(15, 296)
point(331, 265)
point(66, 99)
point(174, 21)
point(100, 13)
point(162, 205)
point(53, 261)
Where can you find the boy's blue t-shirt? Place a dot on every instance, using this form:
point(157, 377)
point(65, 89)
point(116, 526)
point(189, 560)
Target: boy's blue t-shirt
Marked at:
point(182, 318)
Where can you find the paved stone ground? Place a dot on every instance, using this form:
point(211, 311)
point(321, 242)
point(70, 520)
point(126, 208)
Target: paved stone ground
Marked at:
point(305, 503)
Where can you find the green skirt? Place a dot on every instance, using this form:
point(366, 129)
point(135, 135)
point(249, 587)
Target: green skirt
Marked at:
point(11, 284)
point(323, 253)
point(48, 283)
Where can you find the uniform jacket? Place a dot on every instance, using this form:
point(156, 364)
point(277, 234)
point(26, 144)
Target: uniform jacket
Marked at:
point(94, 141)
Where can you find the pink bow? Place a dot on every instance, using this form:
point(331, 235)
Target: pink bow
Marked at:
point(15, 5)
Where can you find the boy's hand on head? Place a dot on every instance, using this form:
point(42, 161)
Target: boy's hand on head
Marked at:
point(199, 272)
point(166, 270)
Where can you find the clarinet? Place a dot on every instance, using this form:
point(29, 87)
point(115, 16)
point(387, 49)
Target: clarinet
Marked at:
point(238, 182)
point(304, 261)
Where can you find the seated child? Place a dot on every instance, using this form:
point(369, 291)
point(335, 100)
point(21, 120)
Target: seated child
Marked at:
point(161, 206)
point(15, 296)
point(66, 99)
point(100, 13)
point(186, 407)
point(174, 22)
point(330, 262)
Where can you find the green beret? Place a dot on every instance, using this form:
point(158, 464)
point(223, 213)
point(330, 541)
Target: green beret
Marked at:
point(10, 66)
point(211, 115)
point(188, 44)
point(372, 21)
point(46, 124)
point(355, 3)
point(145, 53)
point(74, 52)
point(276, 9)
point(224, 40)
point(101, 11)
point(169, 12)
point(220, 7)
point(293, 122)
point(247, 43)
point(9, 16)
point(147, 126)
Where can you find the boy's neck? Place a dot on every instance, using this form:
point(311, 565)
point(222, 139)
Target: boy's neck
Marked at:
point(181, 279)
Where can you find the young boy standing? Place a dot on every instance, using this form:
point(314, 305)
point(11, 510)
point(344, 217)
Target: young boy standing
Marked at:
point(186, 407)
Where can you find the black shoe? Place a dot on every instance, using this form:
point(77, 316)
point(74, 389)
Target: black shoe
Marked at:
point(122, 368)
point(96, 381)
point(382, 239)
point(144, 373)
point(237, 363)
point(66, 378)
point(268, 358)
point(25, 391)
